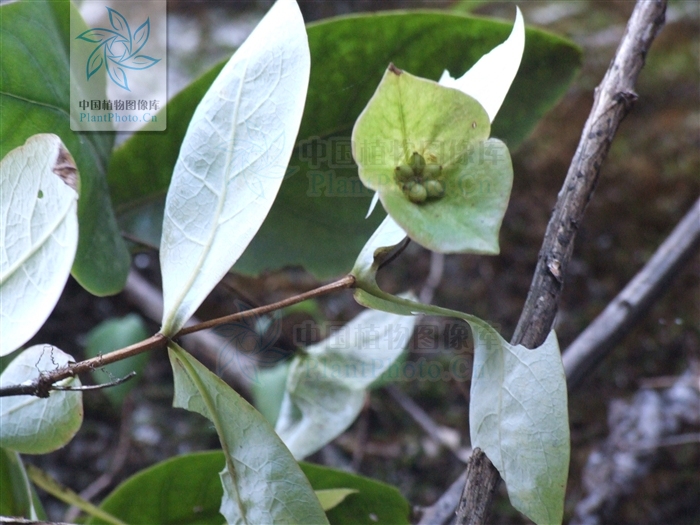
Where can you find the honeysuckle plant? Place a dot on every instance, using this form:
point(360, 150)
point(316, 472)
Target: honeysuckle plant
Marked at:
point(425, 148)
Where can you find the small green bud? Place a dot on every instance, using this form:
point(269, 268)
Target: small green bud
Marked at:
point(434, 189)
point(417, 163)
point(432, 171)
point(417, 193)
point(403, 172)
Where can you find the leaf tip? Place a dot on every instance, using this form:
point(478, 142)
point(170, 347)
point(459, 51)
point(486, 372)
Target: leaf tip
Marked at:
point(395, 70)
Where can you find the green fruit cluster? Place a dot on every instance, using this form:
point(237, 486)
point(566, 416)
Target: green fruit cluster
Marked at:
point(420, 181)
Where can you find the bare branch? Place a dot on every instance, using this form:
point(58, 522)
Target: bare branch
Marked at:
point(479, 489)
point(634, 301)
point(42, 386)
point(613, 99)
point(443, 509)
point(82, 388)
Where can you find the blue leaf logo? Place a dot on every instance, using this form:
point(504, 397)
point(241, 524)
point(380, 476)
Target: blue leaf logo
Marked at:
point(118, 49)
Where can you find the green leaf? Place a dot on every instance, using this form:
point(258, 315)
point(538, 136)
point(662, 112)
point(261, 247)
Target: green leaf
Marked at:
point(38, 233)
point(448, 129)
point(518, 402)
point(34, 98)
point(380, 246)
point(232, 160)
point(156, 153)
point(33, 425)
point(47, 483)
point(489, 80)
point(262, 482)
point(268, 390)
point(16, 497)
point(331, 498)
point(322, 200)
point(111, 335)
point(518, 416)
point(185, 490)
point(327, 385)
point(375, 503)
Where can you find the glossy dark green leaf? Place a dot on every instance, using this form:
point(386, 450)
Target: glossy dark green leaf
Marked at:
point(17, 496)
point(34, 98)
point(184, 490)
point(374, 503)
point(187, 490)
point(322, 202)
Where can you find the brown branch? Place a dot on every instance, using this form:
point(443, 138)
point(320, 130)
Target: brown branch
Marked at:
point(346, 282)
point(42, 385)
point(613, 99)
point(206, 346)
point(479, 489)
point(632, 303)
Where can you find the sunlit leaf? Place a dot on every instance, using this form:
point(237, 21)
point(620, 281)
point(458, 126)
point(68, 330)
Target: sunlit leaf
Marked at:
point(262, 482)
point(38, 235)
point(33, 425)
point(232, 160)
point(327, 384)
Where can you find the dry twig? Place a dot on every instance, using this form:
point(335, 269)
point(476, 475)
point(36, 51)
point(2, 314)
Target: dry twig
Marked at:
point(614, 98)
